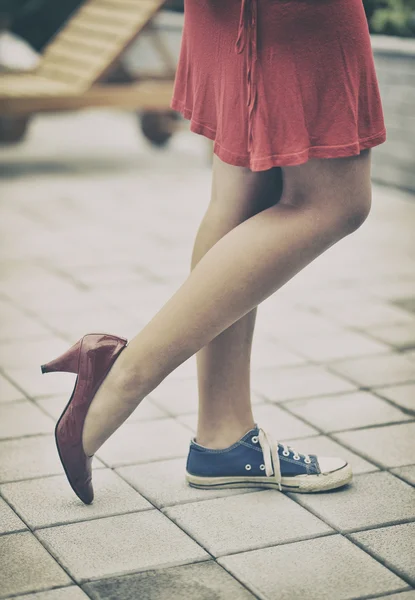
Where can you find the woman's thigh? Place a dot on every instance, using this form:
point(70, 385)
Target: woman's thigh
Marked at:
point(238, 193)
point(334, 183)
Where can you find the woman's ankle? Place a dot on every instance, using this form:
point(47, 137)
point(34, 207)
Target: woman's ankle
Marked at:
point(218, 440)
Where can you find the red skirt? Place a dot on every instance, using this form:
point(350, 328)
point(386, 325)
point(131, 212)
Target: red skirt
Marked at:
point(277, 82)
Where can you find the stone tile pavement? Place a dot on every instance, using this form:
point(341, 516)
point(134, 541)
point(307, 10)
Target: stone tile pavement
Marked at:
point(96, 232)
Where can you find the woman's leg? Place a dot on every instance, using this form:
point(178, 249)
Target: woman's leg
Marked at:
point(223, 365)
point(323, 200)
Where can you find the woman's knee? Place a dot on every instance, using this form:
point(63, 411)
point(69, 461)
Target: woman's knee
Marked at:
point(356, 211)
point(338, 191)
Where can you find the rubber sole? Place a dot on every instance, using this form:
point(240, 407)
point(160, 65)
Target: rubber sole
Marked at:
point(300, 483)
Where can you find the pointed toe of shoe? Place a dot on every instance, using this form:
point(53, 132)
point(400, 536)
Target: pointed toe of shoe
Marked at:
point(77, 466)
point(85, 493)
point(81, 485)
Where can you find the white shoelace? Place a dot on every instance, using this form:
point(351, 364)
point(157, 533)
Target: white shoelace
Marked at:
point(271, 457)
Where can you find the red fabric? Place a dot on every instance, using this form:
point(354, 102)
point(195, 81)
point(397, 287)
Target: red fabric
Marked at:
point(277, 82)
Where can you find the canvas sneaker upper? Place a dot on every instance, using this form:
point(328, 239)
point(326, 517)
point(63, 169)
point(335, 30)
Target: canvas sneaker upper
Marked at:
point(255, 454)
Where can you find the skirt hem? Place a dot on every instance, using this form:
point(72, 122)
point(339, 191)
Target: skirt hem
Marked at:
point(277, 160)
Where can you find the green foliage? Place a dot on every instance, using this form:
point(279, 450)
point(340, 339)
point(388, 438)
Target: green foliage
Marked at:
point(391, 17)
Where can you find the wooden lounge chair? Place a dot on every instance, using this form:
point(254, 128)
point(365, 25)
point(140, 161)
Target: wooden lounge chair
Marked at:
point(71, 74)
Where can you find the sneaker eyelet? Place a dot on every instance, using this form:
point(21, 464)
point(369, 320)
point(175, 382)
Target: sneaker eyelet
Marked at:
point(248, 467)
point(286, 453)
point(254, 439)
point(262, 467)
point(296, 457)
point(307, 460)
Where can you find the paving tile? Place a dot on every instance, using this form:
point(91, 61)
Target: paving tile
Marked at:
point(34, 383)
point(298, 382)
point(376, 371)
point(396, 291)
point(280, 423)
point(401, 596)
point(363, 315)
point(179, 396)
point(325, 446)
point(29, 352)
point(331, 297)
point(22, 328)
point(189, 421)
point(346, 411)
point(394, 546)
point(329, 568)
point(60, 295)
point(103, 276)
point(407, 303)
point(389, 446)
point(352, 507)
point(407, 473)
point(67, 593)
point(121, 544)
point(186, 370)
point(410, 354)
point(146, 411)
point(145, 441)
point(164, 483)
point(9, 392)
point(53, 405)
point(204, 581)
point(271, 417)
point(73, 325)
point(176, 396)
point(246, 521)
point(143, 302)
point(50, 500)
point(345, 344)
point(268, 353)
point(404, 395)
point(29, 457)
point(40, 571)
point(399, 336)
point(9, 521)
point(291, 320)
point(18, 419)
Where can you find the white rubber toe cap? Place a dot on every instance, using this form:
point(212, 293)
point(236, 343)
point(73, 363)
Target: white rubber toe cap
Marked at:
point(328, 464)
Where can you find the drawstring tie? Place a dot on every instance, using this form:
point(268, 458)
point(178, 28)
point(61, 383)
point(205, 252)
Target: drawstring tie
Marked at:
point(248, 38)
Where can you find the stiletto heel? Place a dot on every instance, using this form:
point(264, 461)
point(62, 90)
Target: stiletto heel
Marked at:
point(91, 358)
point(66, 363)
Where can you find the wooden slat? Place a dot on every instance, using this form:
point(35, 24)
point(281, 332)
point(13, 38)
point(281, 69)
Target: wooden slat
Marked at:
point(107, 38)
point(91, 27)
point(80, 60)
point(72, 64)
point(67, 74)
point(110, 16)
point(130, 5)
point(29, 85)
point(78, 40)
point(142, 96)
point(63, 72)
point(66, 54)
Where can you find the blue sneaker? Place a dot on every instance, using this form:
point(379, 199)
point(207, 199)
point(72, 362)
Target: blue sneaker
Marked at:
point(258, 461)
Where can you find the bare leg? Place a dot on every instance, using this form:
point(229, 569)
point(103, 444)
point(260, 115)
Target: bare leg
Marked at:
point(223, 365)
point(323, 201)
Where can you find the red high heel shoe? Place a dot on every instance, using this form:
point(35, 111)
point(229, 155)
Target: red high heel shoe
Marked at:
point(90, 358)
